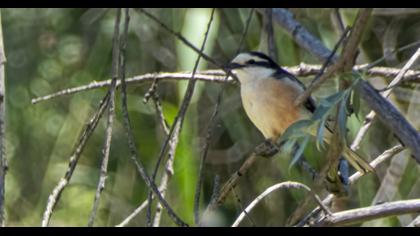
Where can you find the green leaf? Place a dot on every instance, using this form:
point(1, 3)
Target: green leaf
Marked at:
point(327, 104)
point(320, 134)
point(342, 119)
point(296, 130)
point(356, 103)
point(298, 154)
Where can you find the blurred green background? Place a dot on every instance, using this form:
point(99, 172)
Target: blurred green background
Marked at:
point(52, 49)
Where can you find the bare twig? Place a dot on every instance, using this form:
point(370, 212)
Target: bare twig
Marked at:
point(415, 222)
point(3, 160)
point(346, 60)
point(338, 21)
point(177, 124)
point(343, 64)
point(210, 129)
point(227, 187)
point(268, 18)
point(371, 116)
point(283, 185)
point(169, 169)
point(218, 76)
point(391, 118)
point(133, 214)
point(386, 155)
point(403, 48)
point(110, 119)
point(74, 158)
point(181, 38)
point(368, 213)
point(133, 150)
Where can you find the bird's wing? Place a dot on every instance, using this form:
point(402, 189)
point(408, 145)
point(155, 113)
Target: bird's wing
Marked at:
point(310, 102)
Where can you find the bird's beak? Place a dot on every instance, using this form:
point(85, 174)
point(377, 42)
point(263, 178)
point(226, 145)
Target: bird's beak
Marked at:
point(229, 69)
point(232, 66)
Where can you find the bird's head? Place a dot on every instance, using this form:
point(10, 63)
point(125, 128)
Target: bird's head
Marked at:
point(249, 66)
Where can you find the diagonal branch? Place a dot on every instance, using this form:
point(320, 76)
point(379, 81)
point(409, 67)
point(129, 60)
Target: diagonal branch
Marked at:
point(131, 142)
point(74, 158)
point(211, 126)
point(386, 155)
point(395, 122)
point(110, 119)
point(347, 58)
point(179, 119)
point(371, 115)
point(369, 213)
point(181, 38)
point(3, 160)
point(283, 185)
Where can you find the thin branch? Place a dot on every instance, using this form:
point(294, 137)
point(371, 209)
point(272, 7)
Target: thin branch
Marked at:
point(110, 119)
point(179, 119)
point(395, 122)
point(386, 155)
point(169, 169)
point(3, 160)
point(343, 64)
point(283, 185)
point(268, 27)
point(231, 183)
point(134, 80)
point(347, 58)
point(338, 21)
point(210, 128)
point(415, 222)
point(369, 213)
point(218, 76)
point(132, 146)
point(181, 38)
point(133, 214)
point(391, 118)
point(74, 158)
point(371, 116)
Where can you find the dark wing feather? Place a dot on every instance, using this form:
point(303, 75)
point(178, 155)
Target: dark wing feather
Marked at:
point(310, 102)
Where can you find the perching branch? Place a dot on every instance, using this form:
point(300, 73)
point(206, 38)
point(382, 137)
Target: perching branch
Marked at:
point(369, 213)
point(218, 76)
point(3, 160)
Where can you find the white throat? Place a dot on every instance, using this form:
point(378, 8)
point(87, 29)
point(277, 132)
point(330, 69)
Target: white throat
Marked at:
point(252, 74)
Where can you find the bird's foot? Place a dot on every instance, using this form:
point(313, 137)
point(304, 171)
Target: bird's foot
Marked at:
point(339, 183)
point(267, 149)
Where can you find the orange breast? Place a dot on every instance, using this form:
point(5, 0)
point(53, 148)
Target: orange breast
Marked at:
point(269, 105)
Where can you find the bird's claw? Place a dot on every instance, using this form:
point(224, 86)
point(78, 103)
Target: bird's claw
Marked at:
point(267, 149)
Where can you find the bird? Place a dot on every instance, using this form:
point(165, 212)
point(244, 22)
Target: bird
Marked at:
point(268, 93)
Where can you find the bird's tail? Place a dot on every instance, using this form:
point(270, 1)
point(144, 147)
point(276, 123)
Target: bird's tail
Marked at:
point(352, 157)
point(356, 161)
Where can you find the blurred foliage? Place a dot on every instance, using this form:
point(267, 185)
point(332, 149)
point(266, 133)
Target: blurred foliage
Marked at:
point(51, 49)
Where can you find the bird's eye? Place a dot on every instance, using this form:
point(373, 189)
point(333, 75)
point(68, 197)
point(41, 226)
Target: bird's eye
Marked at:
point(252, 61)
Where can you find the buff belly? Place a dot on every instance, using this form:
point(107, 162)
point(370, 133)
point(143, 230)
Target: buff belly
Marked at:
point(269, 105)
